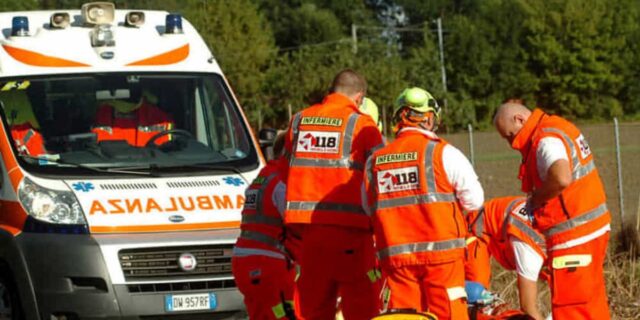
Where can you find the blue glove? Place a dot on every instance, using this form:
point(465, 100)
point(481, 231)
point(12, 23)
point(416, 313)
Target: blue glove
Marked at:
point(477, 293)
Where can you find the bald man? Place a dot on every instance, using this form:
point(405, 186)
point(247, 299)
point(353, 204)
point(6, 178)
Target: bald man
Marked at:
point(328, 144)
point(566, 203)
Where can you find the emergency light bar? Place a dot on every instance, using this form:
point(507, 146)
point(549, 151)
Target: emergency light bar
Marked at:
point(173, 24)
point(20, 26)
point(98, 12)
point(59, 20)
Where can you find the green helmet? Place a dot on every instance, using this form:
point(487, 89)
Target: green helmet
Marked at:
point(419, 100)
point(371, 108)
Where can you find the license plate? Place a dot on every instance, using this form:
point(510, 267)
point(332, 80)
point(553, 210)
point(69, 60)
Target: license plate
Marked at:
point(190, 302)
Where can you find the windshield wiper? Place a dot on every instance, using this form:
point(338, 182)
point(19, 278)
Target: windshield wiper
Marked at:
point(95, 169)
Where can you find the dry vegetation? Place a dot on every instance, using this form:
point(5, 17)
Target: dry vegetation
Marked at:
point(622, 274)
point(497, 166)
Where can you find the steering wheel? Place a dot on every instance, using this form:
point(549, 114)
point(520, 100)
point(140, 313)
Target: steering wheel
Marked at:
point(178, 132)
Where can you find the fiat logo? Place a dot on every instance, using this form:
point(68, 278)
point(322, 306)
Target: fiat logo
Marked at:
point(187, 262)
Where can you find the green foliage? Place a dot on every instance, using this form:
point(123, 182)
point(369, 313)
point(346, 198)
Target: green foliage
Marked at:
point(578, 58)
point(240, 40)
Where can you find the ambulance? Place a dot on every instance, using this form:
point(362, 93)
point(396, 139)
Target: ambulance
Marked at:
point(124, 160)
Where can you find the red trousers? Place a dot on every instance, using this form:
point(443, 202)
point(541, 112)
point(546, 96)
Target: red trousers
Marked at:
point(337, 261)
point(579, 292)
point(267, 285)
point(435, 288)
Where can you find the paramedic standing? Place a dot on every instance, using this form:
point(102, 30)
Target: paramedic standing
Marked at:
point(261, 265)
point(328, 144)
point(417, 187)
point(567, 204)
point(501, 229)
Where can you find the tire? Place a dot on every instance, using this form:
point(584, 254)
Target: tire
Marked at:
point(10, 308)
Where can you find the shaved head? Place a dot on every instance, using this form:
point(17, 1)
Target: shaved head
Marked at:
point(510, 118)
point(350, 84)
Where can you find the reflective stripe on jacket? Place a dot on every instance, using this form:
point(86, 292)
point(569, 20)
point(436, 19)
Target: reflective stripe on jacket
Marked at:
point(416, 216)
point(262, 226)
point(327, 147)
point(28, 140)
point(136, 127)
point(499, 219)
point(581, 207)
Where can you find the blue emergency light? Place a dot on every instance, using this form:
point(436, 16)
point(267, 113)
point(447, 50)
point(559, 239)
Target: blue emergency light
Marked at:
point(173, 23)
point(20, 26)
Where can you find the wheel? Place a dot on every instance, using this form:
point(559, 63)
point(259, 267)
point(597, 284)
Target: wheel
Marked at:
point(9, 302)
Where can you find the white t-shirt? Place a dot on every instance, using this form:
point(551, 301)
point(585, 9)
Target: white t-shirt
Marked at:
point(550, 150)
point(463, 178)
point(528, 260)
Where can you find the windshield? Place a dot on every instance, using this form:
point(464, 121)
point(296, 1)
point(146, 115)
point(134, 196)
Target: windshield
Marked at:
point(125, 121)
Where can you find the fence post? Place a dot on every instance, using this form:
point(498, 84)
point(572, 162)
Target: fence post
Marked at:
point(619, 165)
point(471, 153)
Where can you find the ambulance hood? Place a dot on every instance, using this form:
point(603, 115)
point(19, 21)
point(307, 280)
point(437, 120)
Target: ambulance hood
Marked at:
point(161, 204)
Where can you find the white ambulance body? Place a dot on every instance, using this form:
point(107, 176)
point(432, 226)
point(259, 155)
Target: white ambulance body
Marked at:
point(124, 159)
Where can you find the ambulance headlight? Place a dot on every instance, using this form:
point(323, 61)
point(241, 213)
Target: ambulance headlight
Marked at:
point(98, 12)
point(52, 206)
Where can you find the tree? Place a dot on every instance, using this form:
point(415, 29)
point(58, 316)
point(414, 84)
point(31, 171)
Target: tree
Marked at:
point(241, 41)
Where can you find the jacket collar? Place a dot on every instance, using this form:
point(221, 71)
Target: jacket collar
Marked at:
point(339, 99)
point(414, 130)
point(522, 141)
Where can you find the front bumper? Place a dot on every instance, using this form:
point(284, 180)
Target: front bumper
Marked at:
point(74, 276)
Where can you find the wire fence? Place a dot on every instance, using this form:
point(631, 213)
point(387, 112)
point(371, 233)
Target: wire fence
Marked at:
point(497, 165)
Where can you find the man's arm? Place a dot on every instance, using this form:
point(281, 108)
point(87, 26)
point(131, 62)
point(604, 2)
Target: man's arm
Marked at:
point(463, 178)
point(529, 297)
point(558, 178)
point(554, 170)
point(528, 266)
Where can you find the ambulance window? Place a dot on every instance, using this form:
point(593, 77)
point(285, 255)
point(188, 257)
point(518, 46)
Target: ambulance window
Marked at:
point(111, 120)
point(224, 124)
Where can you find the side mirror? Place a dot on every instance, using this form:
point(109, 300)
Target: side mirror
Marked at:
point(267, 136)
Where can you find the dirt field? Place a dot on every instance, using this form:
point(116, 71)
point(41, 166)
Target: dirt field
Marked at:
point(497, 165)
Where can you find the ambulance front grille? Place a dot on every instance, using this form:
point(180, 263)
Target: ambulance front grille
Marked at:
point(193, 184)
point(181, 286)
point(127, 186)
point(148, 264)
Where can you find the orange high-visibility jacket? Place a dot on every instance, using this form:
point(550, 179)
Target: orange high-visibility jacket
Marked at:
point(135, 127)
point(328, 146)
point(28, 140)
point(581, 208)
point(416, 216)
point(500, 218)
point(262, 227)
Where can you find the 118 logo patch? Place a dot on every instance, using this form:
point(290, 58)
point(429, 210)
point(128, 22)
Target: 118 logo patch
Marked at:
point(318, 142)
point(251, 199)
point(398, 179)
